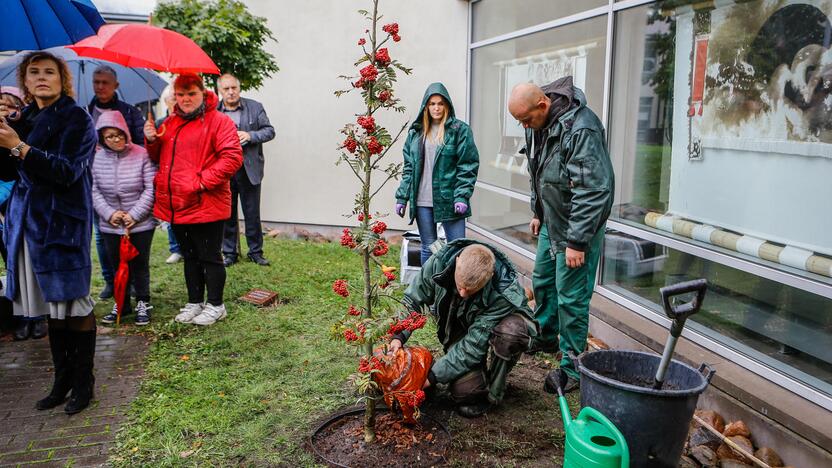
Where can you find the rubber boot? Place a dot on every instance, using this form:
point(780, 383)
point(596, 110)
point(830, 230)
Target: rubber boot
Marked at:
point(83, 380)
point(59, 345)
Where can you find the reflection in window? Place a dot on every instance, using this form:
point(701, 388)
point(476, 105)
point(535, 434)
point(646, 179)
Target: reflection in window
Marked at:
point(787, 328)
point(541, 58)
point(504, 216)
point(721, 127)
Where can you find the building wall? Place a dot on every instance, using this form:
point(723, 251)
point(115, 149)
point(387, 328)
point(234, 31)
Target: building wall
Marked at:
point(317, 43)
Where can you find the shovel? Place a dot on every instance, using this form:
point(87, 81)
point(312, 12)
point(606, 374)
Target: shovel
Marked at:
point(678, 314)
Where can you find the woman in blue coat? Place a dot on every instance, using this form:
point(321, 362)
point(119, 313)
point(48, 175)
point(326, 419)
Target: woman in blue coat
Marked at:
point(49, 222)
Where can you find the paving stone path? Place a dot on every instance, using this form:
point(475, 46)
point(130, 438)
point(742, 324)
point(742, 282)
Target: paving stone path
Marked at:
point(51, 438)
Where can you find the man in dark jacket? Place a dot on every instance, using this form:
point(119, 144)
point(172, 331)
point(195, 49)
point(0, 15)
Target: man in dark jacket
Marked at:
point(105, 84)
point(480, 308)
point(253, 129)
point(572, 186)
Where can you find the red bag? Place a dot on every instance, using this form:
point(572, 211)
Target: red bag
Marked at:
point(401, 378)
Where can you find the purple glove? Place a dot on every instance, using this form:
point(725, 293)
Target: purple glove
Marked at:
point(400, 210)
point(460, 208)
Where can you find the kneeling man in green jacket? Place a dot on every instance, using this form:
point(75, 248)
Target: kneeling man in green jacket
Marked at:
point(483, 321)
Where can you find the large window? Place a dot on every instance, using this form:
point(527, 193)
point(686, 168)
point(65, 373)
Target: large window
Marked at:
point(721, 134)
point(721, 129)
point(543, 57)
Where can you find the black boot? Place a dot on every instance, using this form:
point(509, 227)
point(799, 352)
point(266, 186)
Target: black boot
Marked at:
point(23, 329)
point(59, 344)
point(83, 380)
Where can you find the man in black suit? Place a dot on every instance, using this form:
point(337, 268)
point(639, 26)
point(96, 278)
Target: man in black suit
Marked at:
point(254, 129)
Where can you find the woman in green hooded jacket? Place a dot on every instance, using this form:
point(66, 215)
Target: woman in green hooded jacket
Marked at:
point(440, 169)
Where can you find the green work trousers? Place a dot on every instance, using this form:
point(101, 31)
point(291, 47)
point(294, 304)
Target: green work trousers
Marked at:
point(562, 295)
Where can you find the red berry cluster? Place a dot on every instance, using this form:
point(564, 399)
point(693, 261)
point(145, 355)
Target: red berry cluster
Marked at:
point(384, 96)
point(362, 41)
point(389, 275)
point(393, 30)
point(361, 216)
point(373, 363)
point(416, 398)
point(369, 73)
point(373, 146)
point(379, 227)
point(350, 335)
point(359, 84)
point(413, 322)
point(353, 311)
point(350, 144)
point(381, 248)
point(347, 239)
point(383, 57)
point(340, 288)
point(367, 122)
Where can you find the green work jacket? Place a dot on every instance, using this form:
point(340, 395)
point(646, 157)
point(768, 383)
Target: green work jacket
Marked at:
point(464, 325)
point(454, 171)
point(572, 182)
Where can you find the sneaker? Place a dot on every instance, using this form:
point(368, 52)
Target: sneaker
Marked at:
point(175, 257)
point(111, 317)
point(210, 314)
point(559, 378)
point(143, 313)
point(229, 260)
point(187, 313)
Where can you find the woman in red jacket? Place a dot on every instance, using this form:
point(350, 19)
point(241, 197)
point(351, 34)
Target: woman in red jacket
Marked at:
point(197, 153)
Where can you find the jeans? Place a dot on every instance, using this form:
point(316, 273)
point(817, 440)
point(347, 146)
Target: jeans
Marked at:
point(107, 270)
point(139, 266)
point(427, 229)
point(172, 244)
point(201, 248)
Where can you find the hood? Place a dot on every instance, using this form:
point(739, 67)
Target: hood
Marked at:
point(112, 119)
point(564, 95)
point(14, 91)
point(211, 101)
point(434, 88)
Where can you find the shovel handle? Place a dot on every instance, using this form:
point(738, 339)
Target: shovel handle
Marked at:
point(680, 312)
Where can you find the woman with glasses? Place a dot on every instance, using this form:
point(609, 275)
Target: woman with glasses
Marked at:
point(123, 195)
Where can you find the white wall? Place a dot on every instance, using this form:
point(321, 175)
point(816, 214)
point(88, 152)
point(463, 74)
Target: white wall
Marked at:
point(317, 42)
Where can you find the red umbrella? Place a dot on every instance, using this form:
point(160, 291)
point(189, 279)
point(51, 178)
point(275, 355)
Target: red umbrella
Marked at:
point(146, 46)
point(126, 252)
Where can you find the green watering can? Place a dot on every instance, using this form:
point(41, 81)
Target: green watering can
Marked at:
point(592, 441)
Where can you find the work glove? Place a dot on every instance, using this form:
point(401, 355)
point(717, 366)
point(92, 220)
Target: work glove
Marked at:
point(400, 210)
point(460, 208)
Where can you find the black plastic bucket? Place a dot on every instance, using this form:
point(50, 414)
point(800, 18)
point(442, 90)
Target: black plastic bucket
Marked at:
point(654, 422)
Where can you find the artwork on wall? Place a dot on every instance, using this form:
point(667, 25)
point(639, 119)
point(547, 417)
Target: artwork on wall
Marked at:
point(752, 140)
point(768, 76)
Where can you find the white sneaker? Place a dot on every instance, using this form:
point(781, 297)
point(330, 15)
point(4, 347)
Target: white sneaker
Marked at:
point(174, 258)
point(210, 314)
point(188, 312)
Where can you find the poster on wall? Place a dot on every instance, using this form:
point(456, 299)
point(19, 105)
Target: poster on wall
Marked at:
point(752, 127)
point(768, 77)
point(540, 69)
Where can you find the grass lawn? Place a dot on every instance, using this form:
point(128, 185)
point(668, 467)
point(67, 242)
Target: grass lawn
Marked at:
point(248, 390)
